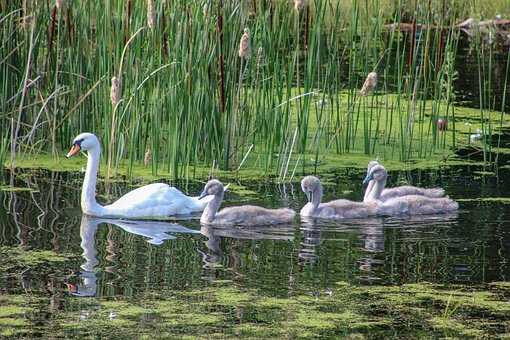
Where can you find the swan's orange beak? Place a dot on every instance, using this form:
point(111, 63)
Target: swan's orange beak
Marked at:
point(74, 150)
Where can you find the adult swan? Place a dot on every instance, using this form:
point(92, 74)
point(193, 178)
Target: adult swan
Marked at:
point(156, 200)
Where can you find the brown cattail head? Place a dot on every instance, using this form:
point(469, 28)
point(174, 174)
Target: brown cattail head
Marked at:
point(151, 17)
point(442, 124)
point(147, 158)
point(299, 4)
point(244, 45)
point(59, 4)
point(115, 92)
point(369, 84)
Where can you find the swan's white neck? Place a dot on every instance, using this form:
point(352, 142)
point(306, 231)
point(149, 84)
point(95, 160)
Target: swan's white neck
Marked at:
point(212, 208)
point(376, 191)
point(368, 190)
point(89, 204)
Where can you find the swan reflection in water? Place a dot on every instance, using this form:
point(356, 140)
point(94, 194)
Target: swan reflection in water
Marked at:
point(157, 233)
point(371, 233)
point(213, 255)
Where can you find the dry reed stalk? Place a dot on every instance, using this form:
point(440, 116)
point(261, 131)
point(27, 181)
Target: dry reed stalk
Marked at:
point(260, 61)
point(26, 19)
point(115, 92)
point(369, 84)
point(221, 83)
point(244, 45)
point(147, 158)
point(151, 17)
point(299, 5)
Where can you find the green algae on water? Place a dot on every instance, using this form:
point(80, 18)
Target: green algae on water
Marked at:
point(225, 311)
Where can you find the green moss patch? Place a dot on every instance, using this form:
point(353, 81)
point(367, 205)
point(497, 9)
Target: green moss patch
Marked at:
point(15, 259)
point(225, 311)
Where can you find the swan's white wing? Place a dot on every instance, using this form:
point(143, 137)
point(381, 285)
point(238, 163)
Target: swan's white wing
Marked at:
point(153, 200)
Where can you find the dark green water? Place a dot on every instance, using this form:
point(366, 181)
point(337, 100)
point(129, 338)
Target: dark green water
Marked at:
point(128, 261)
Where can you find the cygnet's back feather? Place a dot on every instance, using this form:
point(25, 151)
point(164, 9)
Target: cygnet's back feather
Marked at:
point(405, 190)
point(341, 209)
point(416, 205)
point(253, 215)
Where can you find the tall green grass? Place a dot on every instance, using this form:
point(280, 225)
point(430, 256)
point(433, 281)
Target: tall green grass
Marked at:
point(188, 97)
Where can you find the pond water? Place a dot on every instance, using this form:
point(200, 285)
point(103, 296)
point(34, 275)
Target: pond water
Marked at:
point(120, 260)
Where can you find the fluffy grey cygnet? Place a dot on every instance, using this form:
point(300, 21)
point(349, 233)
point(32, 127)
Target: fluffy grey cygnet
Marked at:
point(248, 215)
point(405, 205)
point(337, 209)
point(400, 191)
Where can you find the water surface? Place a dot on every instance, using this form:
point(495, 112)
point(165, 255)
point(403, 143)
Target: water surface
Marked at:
point(122, 259)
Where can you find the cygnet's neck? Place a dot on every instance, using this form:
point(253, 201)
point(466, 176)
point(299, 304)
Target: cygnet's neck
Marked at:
point(375, 193)
point(89, 204)
point(316, 197)
point(212, 208)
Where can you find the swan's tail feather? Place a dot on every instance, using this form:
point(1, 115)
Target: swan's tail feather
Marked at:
point(201, 203)
point(285, 215)
point(434, 192)
point(452, 205)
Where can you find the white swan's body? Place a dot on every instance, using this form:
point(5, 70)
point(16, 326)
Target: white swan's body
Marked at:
point(153, 200)
point(404, 190)
point(337, 209)
point(405, 205)
point(248, 215)
point(156, 200)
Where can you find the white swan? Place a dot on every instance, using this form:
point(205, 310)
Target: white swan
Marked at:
point(400, 191)
point(156, 200)
point(243, 215)
point(404, 205)
point(337, 209)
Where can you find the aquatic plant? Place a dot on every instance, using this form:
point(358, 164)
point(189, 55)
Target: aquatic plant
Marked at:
point(186, 89)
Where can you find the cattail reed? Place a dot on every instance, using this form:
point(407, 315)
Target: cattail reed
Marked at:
point(147, 158)
point(299, 5)
point(260, 57)
point(115, 92)
point(27, 19)
point(244, 45)
point(151, 17)
point(369, 84)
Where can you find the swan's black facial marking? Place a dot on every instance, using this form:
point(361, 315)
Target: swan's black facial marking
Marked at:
point(78, 142)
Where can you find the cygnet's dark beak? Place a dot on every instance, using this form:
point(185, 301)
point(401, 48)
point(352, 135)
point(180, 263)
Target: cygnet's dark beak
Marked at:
point(309, 196)
point(367, 179)
point(203, 194)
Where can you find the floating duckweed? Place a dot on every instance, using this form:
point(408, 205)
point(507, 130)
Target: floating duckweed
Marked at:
point(224, 311)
